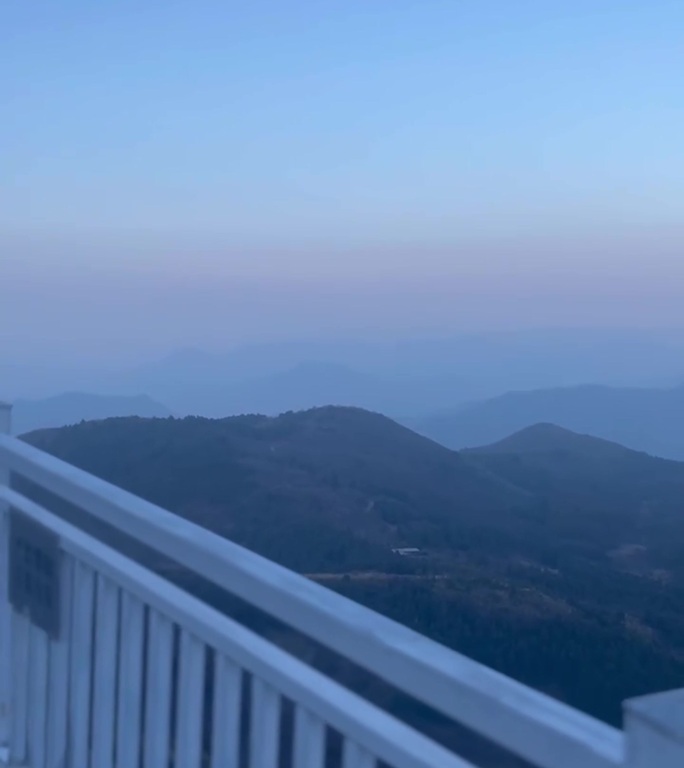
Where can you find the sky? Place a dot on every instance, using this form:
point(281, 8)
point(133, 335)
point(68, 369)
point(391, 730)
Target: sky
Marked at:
point(176, 173)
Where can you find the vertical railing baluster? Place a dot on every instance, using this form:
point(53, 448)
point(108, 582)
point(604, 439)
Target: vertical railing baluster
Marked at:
point(225, 734)
point(37, 696)
point(129, 715)
point(158, 691)
point(189, 705)
point(5, 610)
point(264, 725)
point(104, 692)
point(19, 702)
point(80, 665)
point(356, 756)
point(58, 686)
point(309, 740)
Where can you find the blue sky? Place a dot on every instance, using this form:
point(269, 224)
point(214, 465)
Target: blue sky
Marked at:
point(349, 141)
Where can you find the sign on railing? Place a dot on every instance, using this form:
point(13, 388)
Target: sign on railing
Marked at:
point(34, 572)
point(130, 677)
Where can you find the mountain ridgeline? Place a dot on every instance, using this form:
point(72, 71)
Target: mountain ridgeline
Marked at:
point(549, 555)
point(403, 378)
point(72, 407)
point(343, 475)
point(650, 420)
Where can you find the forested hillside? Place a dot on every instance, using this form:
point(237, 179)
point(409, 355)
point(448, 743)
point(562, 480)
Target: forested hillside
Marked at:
point(552, 557)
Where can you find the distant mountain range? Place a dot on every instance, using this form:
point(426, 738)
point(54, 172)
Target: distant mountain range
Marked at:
point(402, 378)
point(197, 384)
point(73, 407)
point(650, 420)
point(549, 555)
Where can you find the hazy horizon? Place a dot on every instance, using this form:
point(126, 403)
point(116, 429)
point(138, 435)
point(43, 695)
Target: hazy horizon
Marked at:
point(209, 176)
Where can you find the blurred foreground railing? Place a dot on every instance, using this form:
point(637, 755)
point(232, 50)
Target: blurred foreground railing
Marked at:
point(104, 663)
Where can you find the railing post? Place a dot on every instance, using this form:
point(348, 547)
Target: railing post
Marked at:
point(654, 731)
point(5, 629)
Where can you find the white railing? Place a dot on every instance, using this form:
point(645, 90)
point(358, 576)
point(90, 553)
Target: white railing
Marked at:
point(130, 671)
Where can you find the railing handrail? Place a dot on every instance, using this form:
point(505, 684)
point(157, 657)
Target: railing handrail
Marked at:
point(518, 718)
point(383, 735)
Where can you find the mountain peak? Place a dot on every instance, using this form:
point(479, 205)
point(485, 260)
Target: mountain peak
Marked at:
point(544, 437)
point(650, 420)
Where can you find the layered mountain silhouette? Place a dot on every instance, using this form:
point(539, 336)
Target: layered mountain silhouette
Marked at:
point(194, 383)
point(650, 420)
point(401, 377)
point(72, 407)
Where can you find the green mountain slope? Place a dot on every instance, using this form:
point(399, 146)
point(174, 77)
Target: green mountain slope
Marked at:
point(550, 556)
point(350, 484)
point(622, 505)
